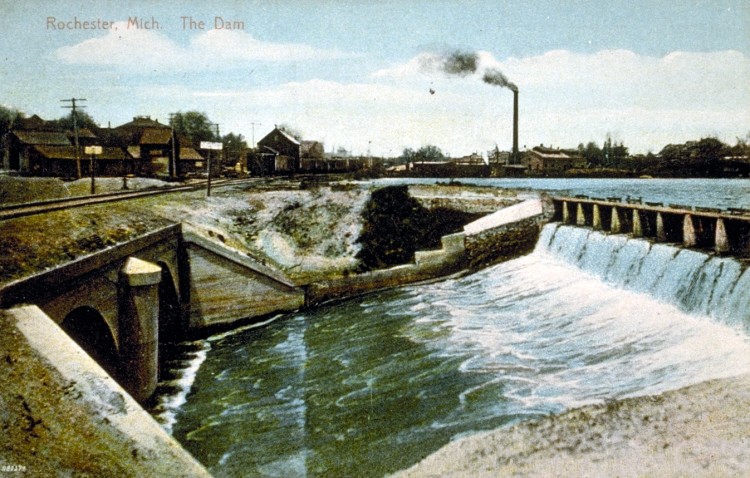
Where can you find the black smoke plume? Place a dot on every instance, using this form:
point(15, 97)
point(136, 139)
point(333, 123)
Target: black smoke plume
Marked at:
point(496, 77)
point(460, 63)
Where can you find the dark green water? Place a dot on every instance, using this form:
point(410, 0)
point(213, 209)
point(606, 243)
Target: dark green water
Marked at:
point(373, 385)
point(340, 392)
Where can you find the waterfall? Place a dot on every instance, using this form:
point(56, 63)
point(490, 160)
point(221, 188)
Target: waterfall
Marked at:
point(696, 282)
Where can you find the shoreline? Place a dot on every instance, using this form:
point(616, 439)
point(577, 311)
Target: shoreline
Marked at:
point(698, 430)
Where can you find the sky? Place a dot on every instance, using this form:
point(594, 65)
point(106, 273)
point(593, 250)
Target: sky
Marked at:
point(370, 76)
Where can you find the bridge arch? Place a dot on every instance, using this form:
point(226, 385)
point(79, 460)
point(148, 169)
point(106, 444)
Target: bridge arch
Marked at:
point(88, 328)
point(170, 315)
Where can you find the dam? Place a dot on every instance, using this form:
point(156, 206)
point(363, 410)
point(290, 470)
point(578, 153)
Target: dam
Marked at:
point(372, 385)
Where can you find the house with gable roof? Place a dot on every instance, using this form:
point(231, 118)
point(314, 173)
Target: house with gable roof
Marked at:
point(279, 152)
point(42, 148)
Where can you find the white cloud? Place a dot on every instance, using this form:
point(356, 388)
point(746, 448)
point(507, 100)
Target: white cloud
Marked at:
point(565, 99)
point(133, 48)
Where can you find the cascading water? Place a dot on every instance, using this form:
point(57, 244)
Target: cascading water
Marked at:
point(696, 282)
point(374, 384)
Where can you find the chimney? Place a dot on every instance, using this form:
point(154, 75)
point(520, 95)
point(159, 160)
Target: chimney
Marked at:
point(514, 158)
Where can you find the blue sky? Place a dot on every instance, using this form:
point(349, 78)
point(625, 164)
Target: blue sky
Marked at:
point(358, 74)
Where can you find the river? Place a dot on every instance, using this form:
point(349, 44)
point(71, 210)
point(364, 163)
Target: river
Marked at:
point(372, 385)
point(717, 193)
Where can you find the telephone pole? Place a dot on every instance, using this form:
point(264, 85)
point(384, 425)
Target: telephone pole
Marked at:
point(72, 107)
point(174, 146)
point(253, 125)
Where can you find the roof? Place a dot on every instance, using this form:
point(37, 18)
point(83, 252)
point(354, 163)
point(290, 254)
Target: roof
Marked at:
point(42, 137)
point(288, 136)
point(190, 154)
point(35, 123)
point(143, 122)
point(69, 153)
point(134, 151)
point(82, 133)
point(276, 131)
point(547, 153)
point(156, 136)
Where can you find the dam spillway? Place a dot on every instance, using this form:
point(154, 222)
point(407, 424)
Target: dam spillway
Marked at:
point(697, 282)
point(371, 385)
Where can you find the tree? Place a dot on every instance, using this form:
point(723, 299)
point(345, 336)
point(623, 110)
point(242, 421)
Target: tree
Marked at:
point(235, 148)
point(8, 117)
point(193, 125)
point(706, 157)
point(429, 153)
point(407, 156)
point(592, 154)
point(82, 120)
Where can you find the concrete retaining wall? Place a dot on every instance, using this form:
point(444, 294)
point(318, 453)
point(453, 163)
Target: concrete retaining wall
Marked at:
point(428, 265)
point(227, 285)
point(62, 415)
point(506, 234)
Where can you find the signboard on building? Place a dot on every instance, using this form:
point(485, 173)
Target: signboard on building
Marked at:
point(211, 145)
point(92, 150)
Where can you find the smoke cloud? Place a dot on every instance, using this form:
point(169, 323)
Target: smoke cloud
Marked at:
point(460, 63)
point(496, 77)
point(465, 63)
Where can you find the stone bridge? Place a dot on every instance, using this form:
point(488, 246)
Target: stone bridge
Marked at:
point(120, 303)
point(723, 231)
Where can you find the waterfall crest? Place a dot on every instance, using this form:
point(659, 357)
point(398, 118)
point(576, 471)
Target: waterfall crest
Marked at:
point(696, 282)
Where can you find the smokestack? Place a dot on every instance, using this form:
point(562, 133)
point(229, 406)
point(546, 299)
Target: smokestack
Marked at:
point(514, 159)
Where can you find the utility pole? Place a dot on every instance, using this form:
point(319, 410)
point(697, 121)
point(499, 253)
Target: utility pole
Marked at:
point(253, 125)
point(174, 146)
point(72, 106)
point(211, 145)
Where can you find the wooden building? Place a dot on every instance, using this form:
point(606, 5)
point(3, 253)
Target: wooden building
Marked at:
point(551, 162)
point(283, 148)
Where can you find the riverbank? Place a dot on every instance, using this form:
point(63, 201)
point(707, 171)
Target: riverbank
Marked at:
point(700, 430)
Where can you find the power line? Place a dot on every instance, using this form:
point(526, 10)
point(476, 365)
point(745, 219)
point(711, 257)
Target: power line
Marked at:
point(72, 107)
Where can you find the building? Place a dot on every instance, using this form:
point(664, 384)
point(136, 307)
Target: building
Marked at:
point(280, 148)
point(42, 148)
point(148, 142)
point(551, 162)
point(312, 156)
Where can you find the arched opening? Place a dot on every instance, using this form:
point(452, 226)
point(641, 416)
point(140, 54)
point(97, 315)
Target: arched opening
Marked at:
point(88, 328)
point(170, 325)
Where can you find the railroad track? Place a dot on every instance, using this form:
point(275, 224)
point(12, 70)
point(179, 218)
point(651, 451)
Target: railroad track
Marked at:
point(39, 207)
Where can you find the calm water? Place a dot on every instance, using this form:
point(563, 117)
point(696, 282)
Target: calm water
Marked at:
point(372, 385)
point(721, 193)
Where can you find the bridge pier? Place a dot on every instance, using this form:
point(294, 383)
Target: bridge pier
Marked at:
point(661, 231)
point(637, 225)
point(721, 239)
point(597, 218)
point(580, 215)
point(138, 303)
point(566, 212)
point(689, 237)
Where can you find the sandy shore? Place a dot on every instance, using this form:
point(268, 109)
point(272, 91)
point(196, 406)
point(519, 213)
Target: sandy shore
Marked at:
point(701, 430)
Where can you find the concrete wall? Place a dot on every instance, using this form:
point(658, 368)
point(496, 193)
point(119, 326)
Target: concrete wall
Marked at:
point(62, 415)
point(227, 285)
point(506, 234)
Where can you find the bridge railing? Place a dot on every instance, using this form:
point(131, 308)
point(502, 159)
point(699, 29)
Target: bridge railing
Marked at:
point(724, 231)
